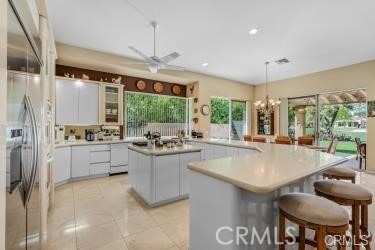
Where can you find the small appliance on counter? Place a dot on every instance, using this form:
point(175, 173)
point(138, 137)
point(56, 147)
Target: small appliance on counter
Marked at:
point(59, 134)
point(89, 135)
point(72, 136)
point(195, 134)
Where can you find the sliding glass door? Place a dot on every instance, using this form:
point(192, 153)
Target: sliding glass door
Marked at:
point(228, 118)
point(340, 115)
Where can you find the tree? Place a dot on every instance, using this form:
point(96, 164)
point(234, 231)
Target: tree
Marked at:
point(219, 111)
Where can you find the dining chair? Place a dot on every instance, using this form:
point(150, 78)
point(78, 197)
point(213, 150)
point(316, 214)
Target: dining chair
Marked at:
point(247, 138)
point(259, 139)
point(283, 140)
point(358, 143)
point(305, 140)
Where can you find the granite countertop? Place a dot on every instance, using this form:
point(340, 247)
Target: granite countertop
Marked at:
point(276, 166)
point(165, 151)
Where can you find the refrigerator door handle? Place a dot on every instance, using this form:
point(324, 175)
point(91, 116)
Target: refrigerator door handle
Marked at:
point(34, 148)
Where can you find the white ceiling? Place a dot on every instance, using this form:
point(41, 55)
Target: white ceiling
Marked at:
point(315, 35)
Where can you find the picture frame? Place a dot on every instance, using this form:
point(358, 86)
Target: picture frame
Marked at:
point(371, 108)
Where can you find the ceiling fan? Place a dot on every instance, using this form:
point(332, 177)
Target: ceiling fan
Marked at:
point(154, 62)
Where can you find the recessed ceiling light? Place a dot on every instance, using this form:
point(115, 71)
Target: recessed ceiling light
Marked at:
point(205, 64)
point(253, 31)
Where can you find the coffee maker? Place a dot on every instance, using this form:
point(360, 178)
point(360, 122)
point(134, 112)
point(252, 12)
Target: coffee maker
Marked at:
point(89, 135)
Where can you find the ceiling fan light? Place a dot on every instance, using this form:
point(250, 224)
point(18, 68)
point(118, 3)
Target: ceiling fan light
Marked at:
point(153, 69)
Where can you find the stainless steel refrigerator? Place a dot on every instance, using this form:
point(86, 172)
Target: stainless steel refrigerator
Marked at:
point(24, 110)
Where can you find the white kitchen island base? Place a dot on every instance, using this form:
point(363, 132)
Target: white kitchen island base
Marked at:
point(215, 204)
point(160, 176)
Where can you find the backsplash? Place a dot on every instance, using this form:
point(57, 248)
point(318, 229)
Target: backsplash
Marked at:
point(80, 130)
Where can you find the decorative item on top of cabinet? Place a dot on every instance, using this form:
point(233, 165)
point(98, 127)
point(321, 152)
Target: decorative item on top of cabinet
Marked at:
point(176, 90)
point(205, 109)
point(117, 80)
point(158, 87)
point(112, 104)
point(141, 85)
point(85, 77)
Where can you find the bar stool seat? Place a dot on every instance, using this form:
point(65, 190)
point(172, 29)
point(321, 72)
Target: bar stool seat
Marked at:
point(314, 209)
point(343, 190)
point(358, 198)
point(340, 173)
point(323, 216)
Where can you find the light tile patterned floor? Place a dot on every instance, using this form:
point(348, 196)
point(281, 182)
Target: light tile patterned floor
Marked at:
point(105, 214)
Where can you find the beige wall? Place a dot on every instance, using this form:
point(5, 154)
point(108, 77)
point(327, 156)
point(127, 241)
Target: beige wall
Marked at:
point(208, 85)
point(350, 77)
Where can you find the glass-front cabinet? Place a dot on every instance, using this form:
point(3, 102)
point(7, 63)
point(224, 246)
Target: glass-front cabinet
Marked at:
point(112, 104)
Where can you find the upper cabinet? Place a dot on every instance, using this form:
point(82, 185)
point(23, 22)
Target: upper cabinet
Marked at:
point(77, 102)
point(112, 104)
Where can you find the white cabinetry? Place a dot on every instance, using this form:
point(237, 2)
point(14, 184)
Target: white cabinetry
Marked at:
point(167, 177)
point(77, 102)
point(88, 104)
point(220, 151)
point(67, 96)
point(132, 174)
point(185, 159)
point(62, 164)
point(80, 161)
point(119, 158)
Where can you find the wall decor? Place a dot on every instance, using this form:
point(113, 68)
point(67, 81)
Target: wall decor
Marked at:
point(129, 82)
point(192, 89)
point(195, 100)
point(176, 89)
point(205, 109)
point(141, 85)
point(158, 87)
point(117, 80)
point(371, 109)
point(85, 77)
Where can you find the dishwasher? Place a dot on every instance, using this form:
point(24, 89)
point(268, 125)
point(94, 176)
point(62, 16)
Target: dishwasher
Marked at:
point(119, 158)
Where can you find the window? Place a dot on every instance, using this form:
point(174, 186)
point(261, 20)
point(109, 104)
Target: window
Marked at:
point(228, 118)
point(155, 113)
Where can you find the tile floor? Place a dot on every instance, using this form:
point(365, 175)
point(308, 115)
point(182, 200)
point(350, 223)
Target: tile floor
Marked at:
point(104, 213)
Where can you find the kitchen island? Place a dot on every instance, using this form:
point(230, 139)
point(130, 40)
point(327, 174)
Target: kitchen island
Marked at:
point(239, 194)
point(160, 175)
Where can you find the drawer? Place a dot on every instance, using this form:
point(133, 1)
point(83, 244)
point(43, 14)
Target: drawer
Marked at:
point(99, 168)
point(100, 156)
point(104, 147)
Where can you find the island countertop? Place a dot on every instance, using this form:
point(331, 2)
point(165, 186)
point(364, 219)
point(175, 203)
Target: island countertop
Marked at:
point(165, 151)
point(274, 167)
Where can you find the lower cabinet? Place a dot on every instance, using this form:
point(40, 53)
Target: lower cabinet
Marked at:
point(80, 161)
point(185, 159)
point(167, 177)
point(62, 164)
point(159, 179)
point(99, 168)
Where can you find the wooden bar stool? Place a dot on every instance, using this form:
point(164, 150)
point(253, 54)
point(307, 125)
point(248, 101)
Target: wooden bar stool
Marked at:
point(340, 173)
point(355, 196)
point(305, 140)
point(286, 141)
point(323, 216)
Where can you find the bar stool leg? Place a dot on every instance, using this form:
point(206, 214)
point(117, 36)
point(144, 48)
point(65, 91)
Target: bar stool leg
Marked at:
point(320, 238)
point(364, 224)
point(281, 230)
point(355, 226)
point(302, 237)
point(342, 244)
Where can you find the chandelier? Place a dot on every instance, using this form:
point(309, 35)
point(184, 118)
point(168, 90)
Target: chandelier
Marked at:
point(269, 105)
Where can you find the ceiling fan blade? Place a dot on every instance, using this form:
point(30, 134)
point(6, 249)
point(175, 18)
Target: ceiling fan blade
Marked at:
point(145, 57)
point(173, 67)
point(134, 63)
point(170, 57)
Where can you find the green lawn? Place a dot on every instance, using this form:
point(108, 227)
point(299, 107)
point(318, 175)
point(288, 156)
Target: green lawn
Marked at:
point(342, 146)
